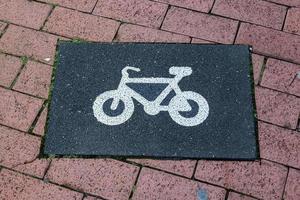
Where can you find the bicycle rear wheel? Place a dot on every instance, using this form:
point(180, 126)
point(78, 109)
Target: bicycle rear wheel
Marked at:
point(105, 118)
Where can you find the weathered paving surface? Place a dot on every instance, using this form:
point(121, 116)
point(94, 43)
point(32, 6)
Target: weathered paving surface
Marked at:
point(29, 31)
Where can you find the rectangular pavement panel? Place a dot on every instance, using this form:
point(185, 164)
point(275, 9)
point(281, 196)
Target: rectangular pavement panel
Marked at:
point(152, 100)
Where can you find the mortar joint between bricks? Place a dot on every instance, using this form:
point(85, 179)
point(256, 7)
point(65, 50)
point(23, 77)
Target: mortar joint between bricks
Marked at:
point(43, 31)
point(296, 76)
point(280, 91)
point(94, 6)
point(24, 61)
point(115, 38)
point(194, 170)
point(70, 187)
point(276, 3)
point(237, 31)
point(284, 19)
point(261, 73)
point(213, 4)
point(164, 17)
point(47, 18)
point(298, 124)
point(279, 126)
point(83, 196)
point(22, 57)
point(4, 30)
point(18, 130)
point(133, 189)
point(227, 194)
point(44, 178)
point(285, 182)
point(44, 106)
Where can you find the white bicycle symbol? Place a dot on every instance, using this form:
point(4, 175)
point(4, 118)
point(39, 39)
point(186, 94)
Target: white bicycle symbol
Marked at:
point(179, 103)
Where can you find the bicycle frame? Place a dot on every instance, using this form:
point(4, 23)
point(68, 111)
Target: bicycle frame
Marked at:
point(151, 106)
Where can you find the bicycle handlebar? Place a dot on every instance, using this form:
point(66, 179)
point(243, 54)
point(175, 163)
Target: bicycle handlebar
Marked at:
point(125, 69)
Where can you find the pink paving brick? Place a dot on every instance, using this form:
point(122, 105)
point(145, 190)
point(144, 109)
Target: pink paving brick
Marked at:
point(39, 128)
point(26, 42)
point(287, 2)
point(83, 5)
point(17, 147)
point(257, 63)
point(18, 110)
point(9, 68)
point(200, 25)
point(254, 11)
point(154, 184)
point(200, 41)
point(277, 108)
point(282, 76)
point(20, 150)
point(134, 33)
point(19, 187)
point(26, 13)
point(292, 188)
point(109, 179)
point(237, 196)
point(2, 27)
point(199, 5)
point(34, 79)
point(262, 180)
point(292, 21)
point(279, 145)
point(141, 12)
point(270, 42)
point(181, 167)
point(74, 24)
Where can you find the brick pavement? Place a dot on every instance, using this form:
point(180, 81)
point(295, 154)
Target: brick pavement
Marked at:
point(29, 31)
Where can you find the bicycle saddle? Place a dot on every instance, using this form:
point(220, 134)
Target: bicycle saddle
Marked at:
point(184, 71)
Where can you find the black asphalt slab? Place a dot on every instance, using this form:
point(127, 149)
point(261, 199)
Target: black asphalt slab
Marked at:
point(152, 100)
